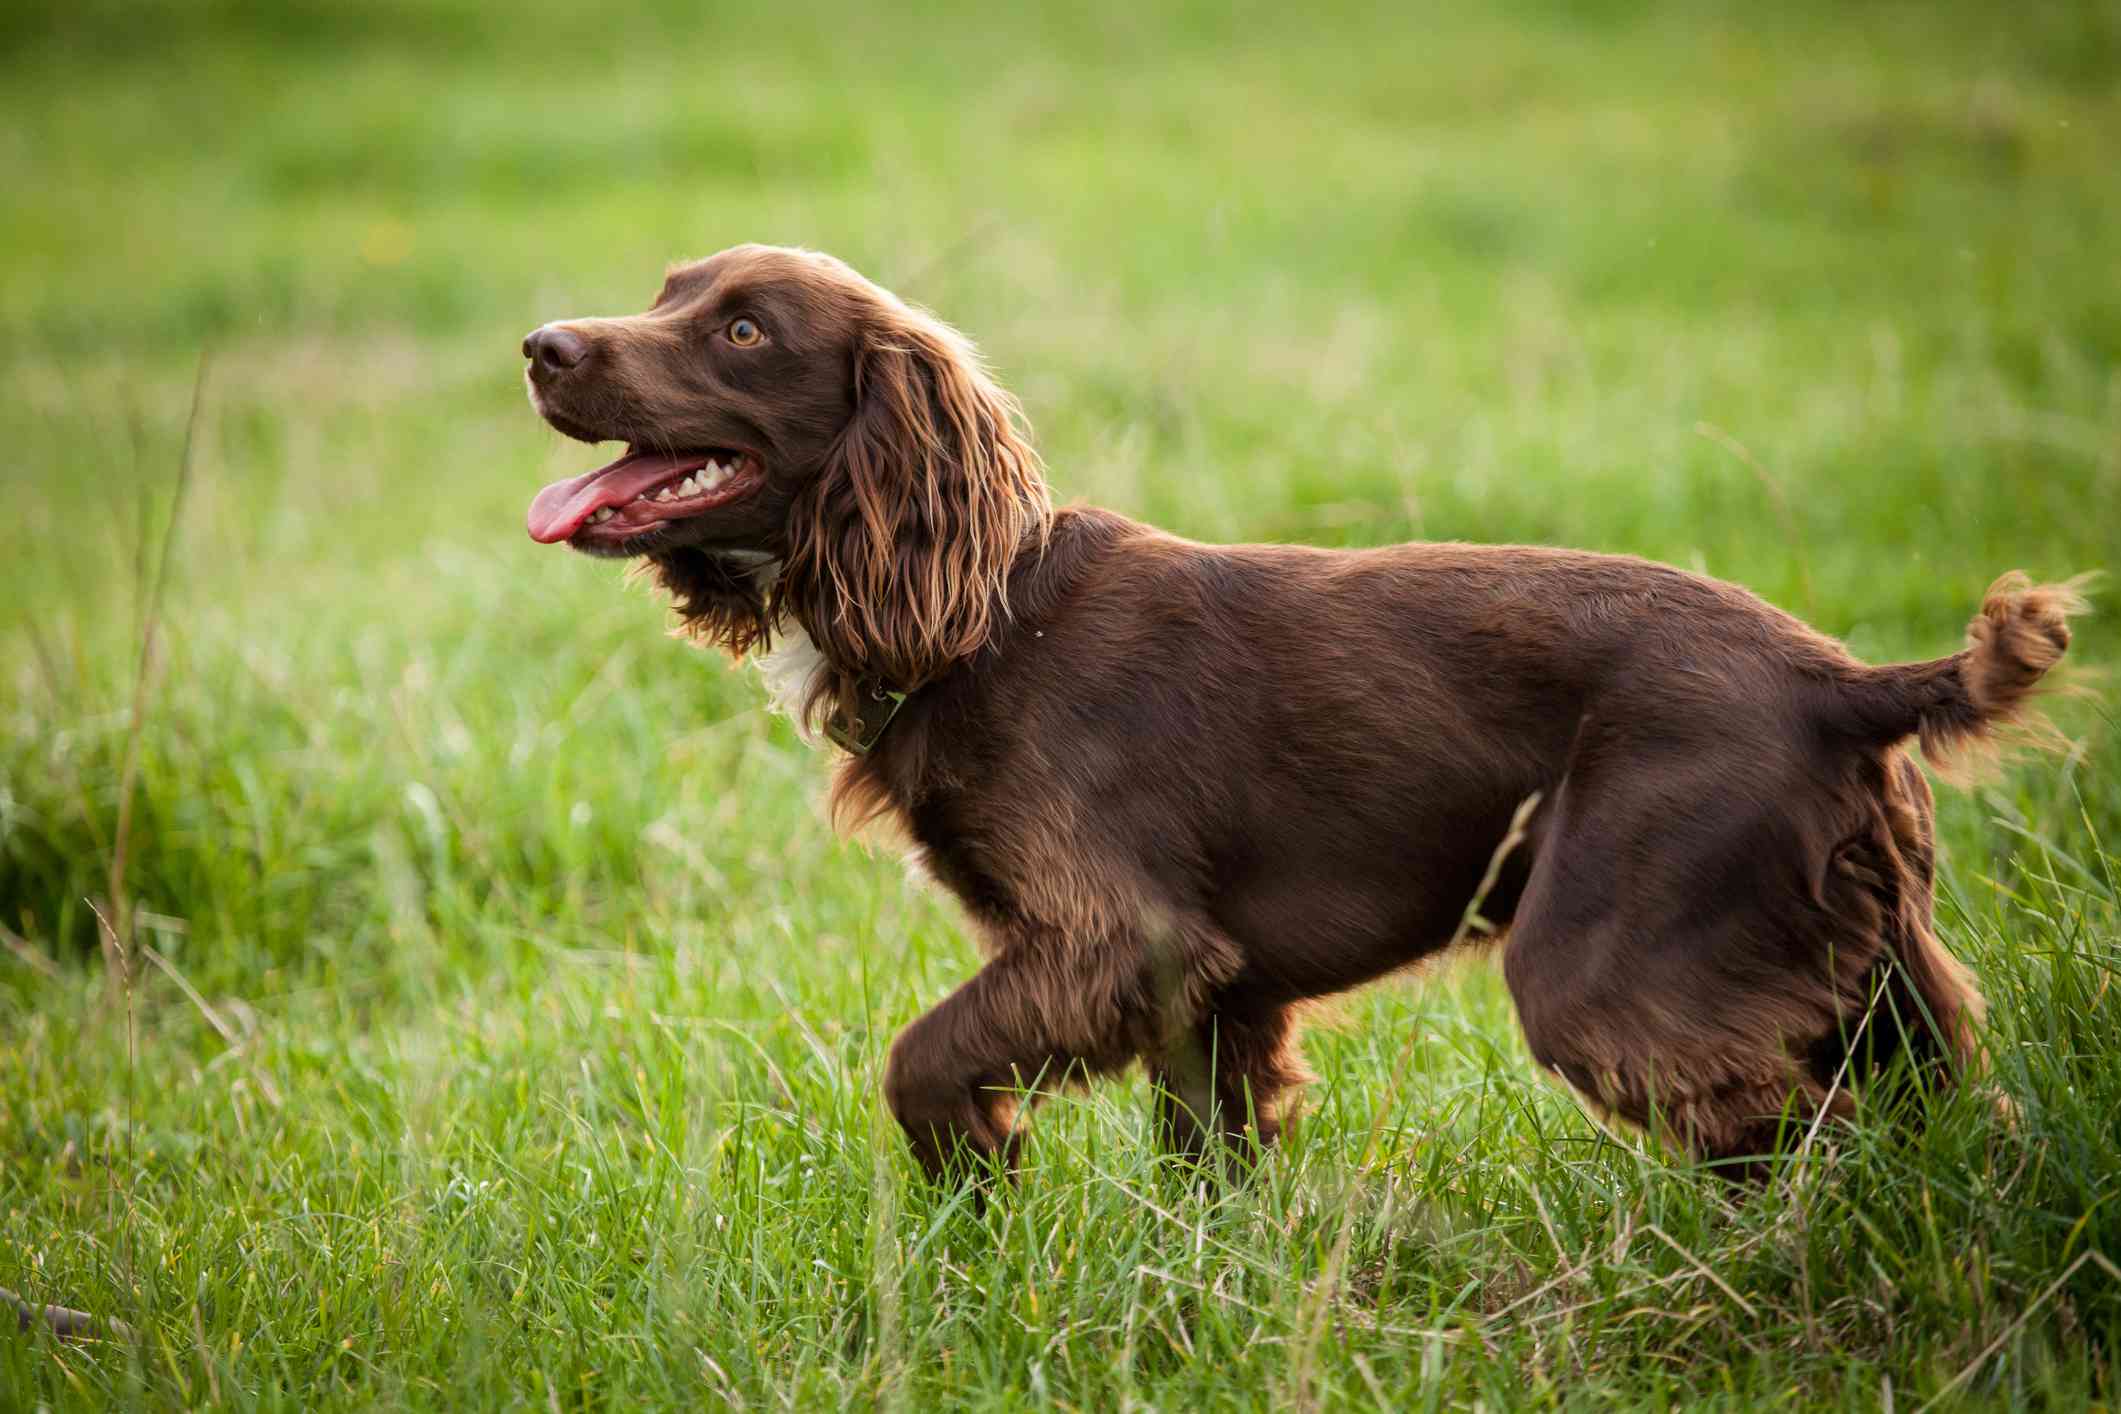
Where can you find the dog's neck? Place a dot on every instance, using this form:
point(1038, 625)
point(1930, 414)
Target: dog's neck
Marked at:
point(796, 672)
point(738, 600)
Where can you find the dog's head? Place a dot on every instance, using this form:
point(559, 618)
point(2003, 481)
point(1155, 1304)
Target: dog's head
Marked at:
point(778, 408)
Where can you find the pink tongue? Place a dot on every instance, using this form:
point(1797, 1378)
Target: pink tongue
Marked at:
point(559, 510)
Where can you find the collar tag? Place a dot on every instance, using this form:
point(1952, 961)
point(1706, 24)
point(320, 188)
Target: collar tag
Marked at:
point(879, 706)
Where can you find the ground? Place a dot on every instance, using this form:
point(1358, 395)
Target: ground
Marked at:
point(505, 1022)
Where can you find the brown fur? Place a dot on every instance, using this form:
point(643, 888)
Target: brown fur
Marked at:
point(1179, 789)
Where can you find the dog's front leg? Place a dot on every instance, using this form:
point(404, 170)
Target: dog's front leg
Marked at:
point(1226, 1078)
point(1034, 1018)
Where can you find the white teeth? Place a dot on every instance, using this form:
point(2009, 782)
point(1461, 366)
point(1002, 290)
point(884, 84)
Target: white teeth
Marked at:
point(696, 483)
point(601, 514)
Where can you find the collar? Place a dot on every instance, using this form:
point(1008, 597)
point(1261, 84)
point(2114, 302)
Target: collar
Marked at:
point(878, 706)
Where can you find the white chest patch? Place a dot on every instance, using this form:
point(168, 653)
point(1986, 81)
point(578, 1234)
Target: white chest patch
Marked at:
point(790, 669)
point(791, 666)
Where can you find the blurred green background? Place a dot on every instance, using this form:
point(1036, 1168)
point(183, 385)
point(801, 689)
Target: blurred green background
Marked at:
point(509, 930)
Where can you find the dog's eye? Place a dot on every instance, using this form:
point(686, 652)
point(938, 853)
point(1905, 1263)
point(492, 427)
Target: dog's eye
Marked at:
point(744, 333)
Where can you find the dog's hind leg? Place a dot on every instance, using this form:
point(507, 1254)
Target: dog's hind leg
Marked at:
point(1683, 942)
point(1925, 1004)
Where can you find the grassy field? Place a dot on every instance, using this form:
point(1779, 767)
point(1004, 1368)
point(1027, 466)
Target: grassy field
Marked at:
point(504, 1022)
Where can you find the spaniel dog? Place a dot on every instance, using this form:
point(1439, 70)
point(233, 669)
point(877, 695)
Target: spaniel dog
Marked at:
point(1181, 789)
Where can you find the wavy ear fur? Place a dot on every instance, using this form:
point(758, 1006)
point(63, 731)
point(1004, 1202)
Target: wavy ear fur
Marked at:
point(899, 553)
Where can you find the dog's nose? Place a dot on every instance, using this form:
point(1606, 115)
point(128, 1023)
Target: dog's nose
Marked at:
point(553, 348)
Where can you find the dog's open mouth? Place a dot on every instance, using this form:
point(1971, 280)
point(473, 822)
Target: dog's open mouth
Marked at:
point(639, 492)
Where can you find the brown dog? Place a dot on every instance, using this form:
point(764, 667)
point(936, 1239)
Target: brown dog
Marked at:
point(1181, 788)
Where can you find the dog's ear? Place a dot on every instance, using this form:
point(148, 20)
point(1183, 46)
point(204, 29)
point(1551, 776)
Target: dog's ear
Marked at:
point(899, 552)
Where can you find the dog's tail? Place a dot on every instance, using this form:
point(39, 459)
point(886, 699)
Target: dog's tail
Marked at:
point(1956, 703)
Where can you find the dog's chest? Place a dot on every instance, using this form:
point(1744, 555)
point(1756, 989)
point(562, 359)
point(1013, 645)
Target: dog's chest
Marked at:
point(959, 857)
point(949, 847)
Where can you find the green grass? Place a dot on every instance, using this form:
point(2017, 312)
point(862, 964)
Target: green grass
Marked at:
point(534, 1054)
